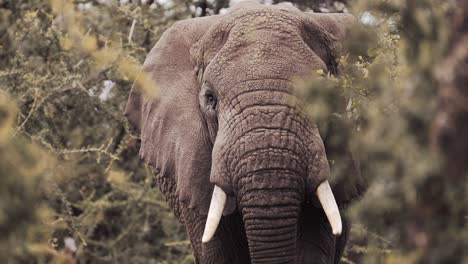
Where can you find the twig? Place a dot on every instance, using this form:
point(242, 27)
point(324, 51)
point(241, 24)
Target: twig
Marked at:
point(86, 150)
point(33, 107)
point(177, 243)
point(7, 73)
point(347, 261)
point(375, 235)
point(131, 31)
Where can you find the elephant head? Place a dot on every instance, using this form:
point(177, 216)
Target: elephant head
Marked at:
point(227, 127)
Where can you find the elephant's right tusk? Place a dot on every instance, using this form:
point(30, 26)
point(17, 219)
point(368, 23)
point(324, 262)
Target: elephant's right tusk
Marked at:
point(218, 201)
point(328, 202)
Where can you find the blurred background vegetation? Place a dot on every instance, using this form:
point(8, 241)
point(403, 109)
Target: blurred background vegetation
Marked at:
point(72, 189)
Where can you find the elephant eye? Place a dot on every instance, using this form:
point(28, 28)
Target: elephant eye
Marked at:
point(210, 100)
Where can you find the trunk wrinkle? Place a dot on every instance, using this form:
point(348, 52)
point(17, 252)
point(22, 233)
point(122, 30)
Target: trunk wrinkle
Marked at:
point(277, 150)
point(268, 89)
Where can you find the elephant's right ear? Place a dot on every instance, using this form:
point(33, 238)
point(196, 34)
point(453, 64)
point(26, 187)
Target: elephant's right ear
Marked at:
point(171, 126)
point(167, 60)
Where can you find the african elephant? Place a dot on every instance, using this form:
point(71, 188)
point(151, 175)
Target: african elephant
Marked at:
point(238, 161)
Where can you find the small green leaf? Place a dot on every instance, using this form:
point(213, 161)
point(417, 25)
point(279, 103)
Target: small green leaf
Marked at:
point(373, 52)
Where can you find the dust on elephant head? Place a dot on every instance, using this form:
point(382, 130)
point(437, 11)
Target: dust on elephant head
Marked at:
point(227, 125)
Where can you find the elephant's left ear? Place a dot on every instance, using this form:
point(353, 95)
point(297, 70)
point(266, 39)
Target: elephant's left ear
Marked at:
point(346, 180)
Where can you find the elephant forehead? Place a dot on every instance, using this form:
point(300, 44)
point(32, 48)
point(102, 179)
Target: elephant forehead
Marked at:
point(265, 26)
point(266, 17)
point(259, 44)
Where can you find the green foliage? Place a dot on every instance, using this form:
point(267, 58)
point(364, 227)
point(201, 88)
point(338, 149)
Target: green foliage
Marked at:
point(412, 213)
point(18, 185)
point(70, 135)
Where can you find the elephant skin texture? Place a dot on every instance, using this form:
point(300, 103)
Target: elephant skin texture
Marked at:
point(227, 115)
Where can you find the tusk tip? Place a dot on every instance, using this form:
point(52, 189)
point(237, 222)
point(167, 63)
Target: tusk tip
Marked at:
point(337, 231)
point(205, 239)
point(208, 234)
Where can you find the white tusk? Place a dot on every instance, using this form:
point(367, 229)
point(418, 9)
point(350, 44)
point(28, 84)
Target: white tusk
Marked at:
point(218, 201)
point(327, 200)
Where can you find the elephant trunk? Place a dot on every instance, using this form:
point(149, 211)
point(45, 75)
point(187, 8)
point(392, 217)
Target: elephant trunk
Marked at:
point(270, 217)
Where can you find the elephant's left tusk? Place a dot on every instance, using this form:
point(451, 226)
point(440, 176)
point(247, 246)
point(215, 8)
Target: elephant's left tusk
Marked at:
point(328, 202)
point(218, 201)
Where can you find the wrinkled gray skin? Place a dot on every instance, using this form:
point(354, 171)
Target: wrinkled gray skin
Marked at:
point(227, 115)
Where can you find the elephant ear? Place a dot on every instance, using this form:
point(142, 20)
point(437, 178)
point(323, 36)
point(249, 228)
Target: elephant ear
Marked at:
point(336, 24)
point(347, 182)
point(325, 33)
point(346, 178)
point(173, 135)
